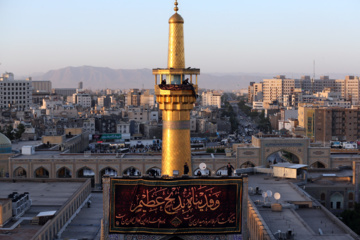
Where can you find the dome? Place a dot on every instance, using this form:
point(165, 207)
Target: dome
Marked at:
point(5, 144)
point(176, 18)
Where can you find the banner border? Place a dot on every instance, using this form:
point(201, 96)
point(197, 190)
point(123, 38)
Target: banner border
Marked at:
point(177, 182)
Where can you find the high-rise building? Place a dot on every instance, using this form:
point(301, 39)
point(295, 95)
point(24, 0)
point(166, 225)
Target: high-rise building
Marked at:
point(211, 98)
point(323, 124)
point(133, 97)
point(15, 93)
point(274, 89)
point(176, 95)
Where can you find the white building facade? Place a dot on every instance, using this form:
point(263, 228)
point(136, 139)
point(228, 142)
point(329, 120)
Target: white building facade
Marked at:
point(211, 98)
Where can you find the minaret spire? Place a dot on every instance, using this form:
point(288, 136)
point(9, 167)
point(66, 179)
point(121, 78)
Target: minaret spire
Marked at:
point(176, 6)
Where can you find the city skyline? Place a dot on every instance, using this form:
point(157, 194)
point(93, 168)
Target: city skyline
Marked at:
point(231, 37)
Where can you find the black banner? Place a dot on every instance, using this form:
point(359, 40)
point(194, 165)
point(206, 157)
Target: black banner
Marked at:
point(181, 206)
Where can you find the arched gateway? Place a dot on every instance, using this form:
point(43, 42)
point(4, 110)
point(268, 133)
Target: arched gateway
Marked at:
point(264, 146)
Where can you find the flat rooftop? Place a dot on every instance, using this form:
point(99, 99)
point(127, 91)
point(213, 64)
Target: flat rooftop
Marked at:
point(303, 222)
point(45, 196)
point(17, 146)
point(42, 193)
point(341, 173)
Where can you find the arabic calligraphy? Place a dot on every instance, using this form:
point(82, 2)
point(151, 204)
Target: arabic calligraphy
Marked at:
point(160, 206)
point(171, 201)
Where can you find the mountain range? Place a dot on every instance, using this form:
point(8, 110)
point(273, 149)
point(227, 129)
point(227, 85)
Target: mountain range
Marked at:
point(103, 77)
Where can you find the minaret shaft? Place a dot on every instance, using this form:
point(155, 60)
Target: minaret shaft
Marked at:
point(176, 141)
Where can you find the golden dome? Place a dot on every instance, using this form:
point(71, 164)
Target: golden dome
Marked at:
point(176, 18)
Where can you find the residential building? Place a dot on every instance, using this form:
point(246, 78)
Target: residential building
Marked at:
point(323, 124)
point(274, 89)
point(211, 98)
point(83, 99)
point(15, 93)
point(147, 99)
point(133, 98)
point(89, 125)
point(104, 101)
point(64, 91)
point(41, 86)
point(123, 127)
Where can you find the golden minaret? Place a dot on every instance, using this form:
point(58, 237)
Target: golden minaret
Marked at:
point(176, 95)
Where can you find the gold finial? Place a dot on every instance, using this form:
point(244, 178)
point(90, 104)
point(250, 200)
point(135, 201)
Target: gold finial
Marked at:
point(176, 8)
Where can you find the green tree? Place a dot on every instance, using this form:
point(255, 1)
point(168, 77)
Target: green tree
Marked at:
point(19, 131)
point(352, 218)
point(9, 133)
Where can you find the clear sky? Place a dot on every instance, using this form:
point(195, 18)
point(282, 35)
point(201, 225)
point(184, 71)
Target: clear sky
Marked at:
point(265, 36)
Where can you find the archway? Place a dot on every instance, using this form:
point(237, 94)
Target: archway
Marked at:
point(19, 173)
point(86, 172)
point(222, 171)
point(317, 165)
point(247, 164)
point(108, 171)
point(63, 173)
point(41, 173)
point(282, 156)
point(205, 172)
point(154, 171)
point(337, 201)
point(131, 171)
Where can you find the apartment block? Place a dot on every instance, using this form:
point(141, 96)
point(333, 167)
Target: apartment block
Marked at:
point(15, 93)
point(323, 124)
point(211, 98)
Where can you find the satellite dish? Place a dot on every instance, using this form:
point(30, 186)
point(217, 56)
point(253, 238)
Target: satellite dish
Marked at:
point(202, 166)
point(269, 193)
point(264, 194)
point(277, 196)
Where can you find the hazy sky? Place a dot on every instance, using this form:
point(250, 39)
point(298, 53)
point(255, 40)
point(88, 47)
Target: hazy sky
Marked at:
point(220, 36)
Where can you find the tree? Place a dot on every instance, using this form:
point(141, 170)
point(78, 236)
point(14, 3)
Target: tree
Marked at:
point(9, 133)
point(352, 218)
point(19, 131)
